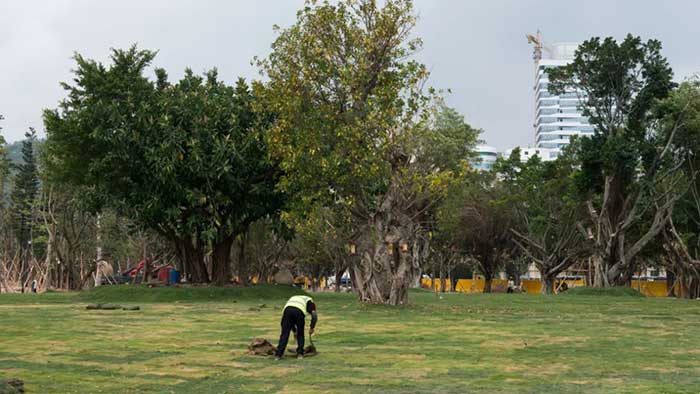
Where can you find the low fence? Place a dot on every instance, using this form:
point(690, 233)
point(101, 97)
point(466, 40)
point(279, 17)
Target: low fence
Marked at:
point(530, 286)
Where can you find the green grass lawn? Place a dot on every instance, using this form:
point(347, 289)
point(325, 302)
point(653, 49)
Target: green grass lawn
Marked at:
point(194, 341)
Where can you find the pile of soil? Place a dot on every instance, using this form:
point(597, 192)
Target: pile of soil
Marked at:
point(11, 386)
point(261, 347)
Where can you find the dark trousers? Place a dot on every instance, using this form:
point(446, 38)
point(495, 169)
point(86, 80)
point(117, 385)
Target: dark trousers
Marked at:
point(292, 320)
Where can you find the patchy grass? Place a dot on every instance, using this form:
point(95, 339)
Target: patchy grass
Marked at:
point(195, 342)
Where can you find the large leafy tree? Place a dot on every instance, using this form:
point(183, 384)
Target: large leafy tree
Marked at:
point(217, 155)
point(548, 214)
point(479, 220)
point(351, 110)
point(681, 238)
point(445, 144)
point(347, 97)
point(625, 164)
point(187, 160)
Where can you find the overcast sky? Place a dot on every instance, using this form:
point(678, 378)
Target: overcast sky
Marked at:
point(476, 48)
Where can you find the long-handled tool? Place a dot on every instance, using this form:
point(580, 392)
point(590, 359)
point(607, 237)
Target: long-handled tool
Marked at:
point(311, 348)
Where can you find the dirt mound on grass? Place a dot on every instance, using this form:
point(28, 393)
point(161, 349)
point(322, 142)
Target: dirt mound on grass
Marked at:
point(11, 386)
point(261, 347)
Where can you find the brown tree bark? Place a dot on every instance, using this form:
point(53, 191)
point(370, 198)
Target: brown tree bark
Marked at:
point(243, 274)
point(548, 284)
point(488, 284)
point(338, 277)
point(192, 260)
point(443, 282)
point(221, 261)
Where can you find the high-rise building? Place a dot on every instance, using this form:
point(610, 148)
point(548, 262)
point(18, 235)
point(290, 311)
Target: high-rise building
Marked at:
point(544, 154)
point(557, 117)
point(486, 157)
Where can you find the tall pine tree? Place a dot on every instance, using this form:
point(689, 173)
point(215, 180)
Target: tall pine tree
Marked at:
point(24, 192)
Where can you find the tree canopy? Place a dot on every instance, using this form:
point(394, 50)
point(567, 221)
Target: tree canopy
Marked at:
point(187, 159)
point(625, 162)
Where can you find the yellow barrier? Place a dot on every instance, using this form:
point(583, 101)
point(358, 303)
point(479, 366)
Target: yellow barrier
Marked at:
point(652, 289)
point(530, 286)
point(467, 285)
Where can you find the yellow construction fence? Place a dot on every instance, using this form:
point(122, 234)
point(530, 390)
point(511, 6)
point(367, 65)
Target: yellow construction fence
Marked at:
point(649, 289)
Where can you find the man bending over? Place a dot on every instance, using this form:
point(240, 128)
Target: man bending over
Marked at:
point(293, 316)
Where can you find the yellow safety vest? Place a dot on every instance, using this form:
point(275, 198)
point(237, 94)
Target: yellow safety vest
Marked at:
point(299, 302)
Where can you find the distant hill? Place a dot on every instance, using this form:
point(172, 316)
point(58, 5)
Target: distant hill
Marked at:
point(15, 152)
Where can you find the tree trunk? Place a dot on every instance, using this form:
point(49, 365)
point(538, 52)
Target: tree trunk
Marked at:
point(49, 254)
point(443, 282)
point(221, 261)
point(418, 278)
point(98, 251)
point(381, 277)
point(600, 277)
point(192, 256)
point(353, 281)
point(670, 284)
point(338, 278)
point(243, 275)
point(22, 270)
point(488, 283)
point(548, 283)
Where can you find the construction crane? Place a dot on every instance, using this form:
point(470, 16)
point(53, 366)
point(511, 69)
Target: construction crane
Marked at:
point(537, 41)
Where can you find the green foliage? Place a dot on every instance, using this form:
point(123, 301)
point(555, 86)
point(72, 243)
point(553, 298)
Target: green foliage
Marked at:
point(187, 160)
point(345, 95)
point(617, 291)
point(212, 153)
point(625, 167)
point(96, 138)
point(547, 209)
point(446, 142)
point(681, 116)
point(355, 133)
point(621, 84)
point(478, 219)
point(25, 190)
